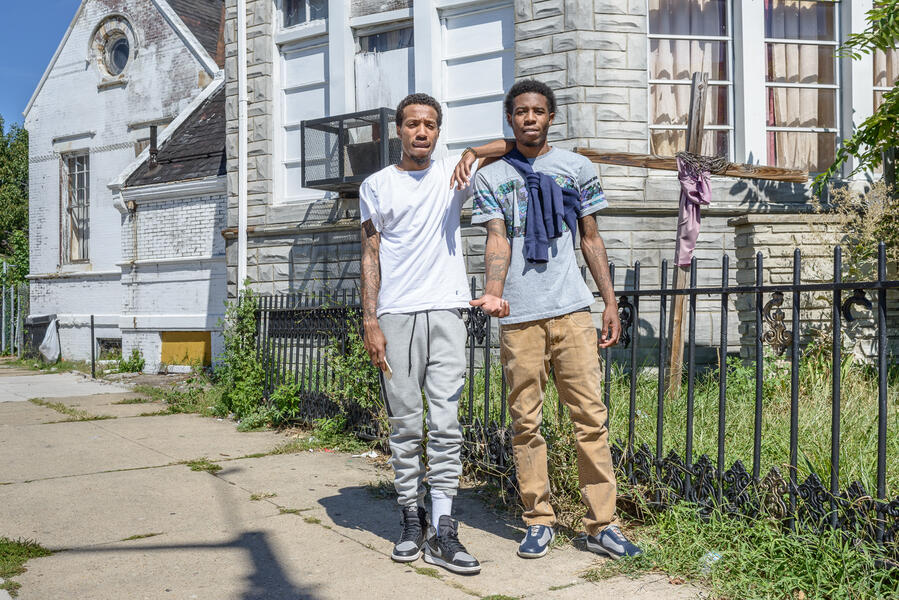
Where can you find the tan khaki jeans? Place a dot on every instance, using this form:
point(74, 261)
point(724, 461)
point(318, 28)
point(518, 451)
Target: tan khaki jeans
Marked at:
point(568, 345)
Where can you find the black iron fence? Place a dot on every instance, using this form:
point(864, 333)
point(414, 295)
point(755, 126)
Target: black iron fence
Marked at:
point(653, 451)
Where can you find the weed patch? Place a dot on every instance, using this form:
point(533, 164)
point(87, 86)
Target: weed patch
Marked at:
point(262, 496)
point(428, 572)
point(74, 414)
point(134, 401)
point(203, 464)
point(312, 520)
point(134, 363)
point(757, 559)
point(13, 556)
point(140, 536)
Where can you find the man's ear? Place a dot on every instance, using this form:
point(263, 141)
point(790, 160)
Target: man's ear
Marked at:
point(509, 119)
point(552, 116)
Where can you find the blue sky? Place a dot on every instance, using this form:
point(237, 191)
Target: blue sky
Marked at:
point(32, 29)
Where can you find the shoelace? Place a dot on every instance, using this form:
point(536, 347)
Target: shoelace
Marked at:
point(615, 530)
point(411, 527)
point(534, 530)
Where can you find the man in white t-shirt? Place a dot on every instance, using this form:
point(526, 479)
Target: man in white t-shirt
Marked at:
point(413, 291)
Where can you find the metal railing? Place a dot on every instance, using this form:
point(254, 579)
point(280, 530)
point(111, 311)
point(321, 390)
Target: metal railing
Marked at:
point(13, 310)
point(295, 331)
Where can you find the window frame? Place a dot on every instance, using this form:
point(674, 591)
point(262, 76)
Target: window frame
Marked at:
point(282, 15)
point(66, 208)
point(839, 89)
point(731, 85)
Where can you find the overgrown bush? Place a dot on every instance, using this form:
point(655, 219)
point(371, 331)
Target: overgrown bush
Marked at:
point(134, 363)
point(354, 378)
point(239, 375)
point(863, 219)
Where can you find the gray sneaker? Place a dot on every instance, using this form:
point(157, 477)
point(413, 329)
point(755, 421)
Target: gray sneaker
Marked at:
point(444, 549)
point(415, 524)
point(612, 543)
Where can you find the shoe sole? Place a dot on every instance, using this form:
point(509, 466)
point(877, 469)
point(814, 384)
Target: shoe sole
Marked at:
point(532, 555)
point(433, 560)
point(405, 559)
point(602, 551)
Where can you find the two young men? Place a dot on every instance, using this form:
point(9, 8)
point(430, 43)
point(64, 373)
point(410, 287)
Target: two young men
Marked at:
point(414, 287)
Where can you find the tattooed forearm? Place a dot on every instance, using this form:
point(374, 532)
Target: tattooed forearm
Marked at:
point(371, 271)
point(594, 251)
point(496, 257)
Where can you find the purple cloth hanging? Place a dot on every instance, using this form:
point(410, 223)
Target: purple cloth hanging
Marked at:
point(695, 192)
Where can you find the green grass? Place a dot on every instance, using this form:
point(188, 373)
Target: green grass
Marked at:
point(312, 520)
point(74, 414)
point(140, 536)
point(134, 401)
point(62, 366)
point(262, 496)
point(194, 396)
point(858, 423)
point(758, 560)
point(332, 434)
point(428, 572)
point(203, 464)
point(13, 556)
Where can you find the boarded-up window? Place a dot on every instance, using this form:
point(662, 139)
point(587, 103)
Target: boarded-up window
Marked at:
point(478, 67)
point(385, 68)
point(303, 95)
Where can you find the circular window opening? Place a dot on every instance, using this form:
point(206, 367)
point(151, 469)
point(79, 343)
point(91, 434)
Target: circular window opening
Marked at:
point(117, 53)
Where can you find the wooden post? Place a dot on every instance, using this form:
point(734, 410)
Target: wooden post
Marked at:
point(695, 129)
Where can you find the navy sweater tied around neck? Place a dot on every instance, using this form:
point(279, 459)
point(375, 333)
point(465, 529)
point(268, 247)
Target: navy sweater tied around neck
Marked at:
point(549, 206)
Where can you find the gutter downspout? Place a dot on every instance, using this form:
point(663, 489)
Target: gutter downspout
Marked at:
point(241, 144)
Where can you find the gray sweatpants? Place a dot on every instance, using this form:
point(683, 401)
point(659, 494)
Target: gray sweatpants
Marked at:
point(426, 351)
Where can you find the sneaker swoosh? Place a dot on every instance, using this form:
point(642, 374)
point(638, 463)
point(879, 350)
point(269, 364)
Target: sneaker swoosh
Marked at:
point(545, 538)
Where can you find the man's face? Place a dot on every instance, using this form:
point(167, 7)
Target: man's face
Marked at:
point(418, 132)
point(530, 119)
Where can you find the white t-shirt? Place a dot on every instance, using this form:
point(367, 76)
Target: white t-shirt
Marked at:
point(417, 215)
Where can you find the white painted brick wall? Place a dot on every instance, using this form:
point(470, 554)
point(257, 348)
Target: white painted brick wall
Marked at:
point(162, 77)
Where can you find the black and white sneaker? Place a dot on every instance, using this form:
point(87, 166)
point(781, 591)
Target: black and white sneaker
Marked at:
point(612, 543)
point(444, 549)
point(415, 524)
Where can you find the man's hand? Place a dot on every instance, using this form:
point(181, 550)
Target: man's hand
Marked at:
point(462, 173)
point(492, 305)
point(376, 345)
point(611, 327)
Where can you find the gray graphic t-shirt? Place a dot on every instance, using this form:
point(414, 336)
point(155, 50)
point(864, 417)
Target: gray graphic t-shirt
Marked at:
point(538, 290)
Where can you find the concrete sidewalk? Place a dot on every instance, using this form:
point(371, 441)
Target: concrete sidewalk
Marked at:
point(130, 522)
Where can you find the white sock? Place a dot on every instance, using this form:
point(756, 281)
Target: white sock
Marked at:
point(441, 504)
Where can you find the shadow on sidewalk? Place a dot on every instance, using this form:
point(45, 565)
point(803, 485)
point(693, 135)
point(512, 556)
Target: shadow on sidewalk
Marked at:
point(267, 581)
point(365, 509)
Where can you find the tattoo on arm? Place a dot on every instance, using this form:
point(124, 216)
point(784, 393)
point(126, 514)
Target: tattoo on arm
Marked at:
point(371, 271)
point(497, 255)
point(594, 251)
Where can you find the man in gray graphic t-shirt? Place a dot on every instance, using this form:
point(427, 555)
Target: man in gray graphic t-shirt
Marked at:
point(531, 264)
